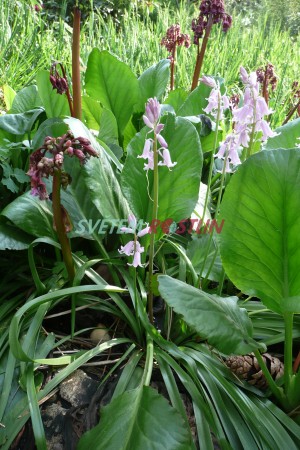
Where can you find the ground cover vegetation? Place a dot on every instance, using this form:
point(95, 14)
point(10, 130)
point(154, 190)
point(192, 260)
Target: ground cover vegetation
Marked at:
point(149, 221)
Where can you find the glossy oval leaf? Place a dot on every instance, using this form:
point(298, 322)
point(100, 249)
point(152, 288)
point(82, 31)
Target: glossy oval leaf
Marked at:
point(19, 124)
point(31, 215)
point(219, 320)
point(260, 241)
point(138, 419)
point(154, 81)
point(178, 188)
point(287, 136)
point(11, 238)
point(112, 82)
point(100, 177)
point(25, 100)
point(55, 105)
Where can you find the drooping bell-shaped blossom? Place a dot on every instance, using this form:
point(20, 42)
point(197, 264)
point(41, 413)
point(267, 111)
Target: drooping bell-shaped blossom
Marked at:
point(250, 117)
point(132, 222)
point(138, 250)
point(166, 159)
point(228, 151)
point(133, 248)
point(151, 119)
point(217, 103)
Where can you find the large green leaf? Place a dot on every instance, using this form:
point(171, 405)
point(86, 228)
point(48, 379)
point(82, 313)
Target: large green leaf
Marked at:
point(32, 215)
point(112, 82)
point(287, 136)
point(99, 177)
point(176, 98)
point(54, 127)
point(219, 320)
point(153, 82)
point(12, 238)
point(92, 111)
point(56, 105)
point(178, 188)
point(25, 100)
point(20, 123)
point(138, 419)
point(197, 99)
point(260, 241)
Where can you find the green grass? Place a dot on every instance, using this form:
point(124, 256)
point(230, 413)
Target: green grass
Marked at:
point(28, 45)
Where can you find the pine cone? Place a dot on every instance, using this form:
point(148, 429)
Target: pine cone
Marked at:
point(247, 368)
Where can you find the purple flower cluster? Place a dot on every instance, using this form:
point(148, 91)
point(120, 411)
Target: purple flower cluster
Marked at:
point(134, 248)
point(211, 11)
point(175, 37)
point(51, 155)
point(267, 76)
point(151, 120)
point(58, 82)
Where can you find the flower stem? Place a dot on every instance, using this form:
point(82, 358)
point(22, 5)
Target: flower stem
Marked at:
point(277, 392)
point(296, 363)
point(59, 225)
point(249, 149)
point(291, 113)
point(76, 65)
point(288, 349)
point(70, 100)
point(149, 362)
point(154, 217)
point(201, 54)
point(173, 62)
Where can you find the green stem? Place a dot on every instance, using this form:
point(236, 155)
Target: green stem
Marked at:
point(288, 349)
point(209, 183)
point(200, 55)
point(277, 392)
point(149, 362)
point(76, 65)
point(59, 225)
point(152, 235)
point(212, 229)
point(249, 149)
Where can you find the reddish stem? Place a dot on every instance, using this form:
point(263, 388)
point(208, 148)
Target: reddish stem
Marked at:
point(296, 363)
point(291, 113)
point(59, 224)
point(265, 87)
point(173, 61)
point(76, 65)
point(200, 55)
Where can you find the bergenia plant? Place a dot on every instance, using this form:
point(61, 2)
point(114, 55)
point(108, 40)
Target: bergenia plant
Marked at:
point(268, 79)
point(211, 12)
point(48, 161)
point(173, 39)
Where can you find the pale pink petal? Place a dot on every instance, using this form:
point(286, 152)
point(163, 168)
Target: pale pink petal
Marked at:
point(147, 122)
point(209, 81)
point(146, 150)
point(144, 232)
point(167, 159)
point(162, 141)
point(244, 74)
point(132, 221)
point(126, 230)
point(128, 249)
